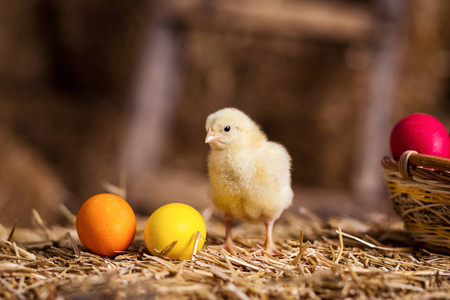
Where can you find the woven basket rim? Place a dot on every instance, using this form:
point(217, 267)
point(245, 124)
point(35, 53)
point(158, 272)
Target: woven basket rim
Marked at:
point(418, 167)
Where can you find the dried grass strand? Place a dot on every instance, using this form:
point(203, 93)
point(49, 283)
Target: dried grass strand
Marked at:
point(341, 246)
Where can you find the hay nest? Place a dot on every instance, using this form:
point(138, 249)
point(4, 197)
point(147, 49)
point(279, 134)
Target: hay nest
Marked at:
point(419, 187)
point(337, 259)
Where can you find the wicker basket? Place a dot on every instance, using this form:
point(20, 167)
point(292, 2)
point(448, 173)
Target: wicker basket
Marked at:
point(419, 188)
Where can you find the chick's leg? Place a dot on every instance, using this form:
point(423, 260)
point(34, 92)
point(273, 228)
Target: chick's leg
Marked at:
point(270, 246)
point(228, 244)
point(228, 219)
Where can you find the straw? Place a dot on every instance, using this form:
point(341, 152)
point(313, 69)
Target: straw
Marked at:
point(323, 263)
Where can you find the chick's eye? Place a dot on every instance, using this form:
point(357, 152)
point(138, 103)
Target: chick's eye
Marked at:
point(227, 128)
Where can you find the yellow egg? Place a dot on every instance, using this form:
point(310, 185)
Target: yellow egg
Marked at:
point(174, 225)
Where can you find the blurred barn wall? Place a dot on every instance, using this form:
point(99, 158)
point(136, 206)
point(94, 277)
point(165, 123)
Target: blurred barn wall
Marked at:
point(72, 74)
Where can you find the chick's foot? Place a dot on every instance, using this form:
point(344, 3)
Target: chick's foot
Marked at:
point(269, 250)
point(227, 246)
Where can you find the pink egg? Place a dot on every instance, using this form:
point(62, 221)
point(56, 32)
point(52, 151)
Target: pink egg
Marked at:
point(422, 133)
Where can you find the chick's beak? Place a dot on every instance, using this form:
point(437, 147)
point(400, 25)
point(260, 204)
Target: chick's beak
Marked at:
point(211, 137)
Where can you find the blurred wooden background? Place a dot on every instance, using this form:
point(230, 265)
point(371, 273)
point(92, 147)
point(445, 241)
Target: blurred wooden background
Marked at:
point(90, 90)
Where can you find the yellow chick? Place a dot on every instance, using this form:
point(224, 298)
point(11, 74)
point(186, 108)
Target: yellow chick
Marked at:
point(250, 176)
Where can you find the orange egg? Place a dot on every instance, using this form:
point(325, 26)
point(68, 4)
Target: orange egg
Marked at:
point(105, 224)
